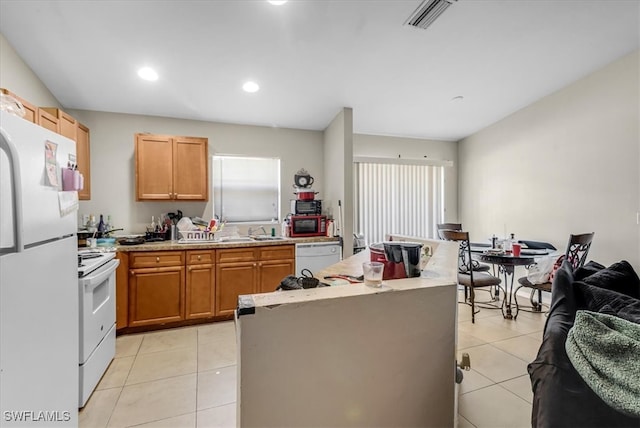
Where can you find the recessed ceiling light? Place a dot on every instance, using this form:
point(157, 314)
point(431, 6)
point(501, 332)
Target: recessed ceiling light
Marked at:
point(147, 73)
point(251, 87)
point(277, 2)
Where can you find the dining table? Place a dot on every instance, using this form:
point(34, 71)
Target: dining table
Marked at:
point(506, 264)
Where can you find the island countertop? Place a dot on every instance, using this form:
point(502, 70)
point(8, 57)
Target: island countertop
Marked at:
point(440, 270)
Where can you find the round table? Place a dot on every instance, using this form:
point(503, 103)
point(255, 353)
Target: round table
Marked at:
point(506, 265)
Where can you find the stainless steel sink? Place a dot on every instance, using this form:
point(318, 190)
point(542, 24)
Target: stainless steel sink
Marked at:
point(236, 239)
point(268, 238)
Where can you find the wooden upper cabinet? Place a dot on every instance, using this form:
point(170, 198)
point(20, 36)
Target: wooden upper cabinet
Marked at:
point(67, 125)
point(154, 167)
point(171, 168)
point(30, 111)
point(47, 120)
point(190, 160)
point(83, 159)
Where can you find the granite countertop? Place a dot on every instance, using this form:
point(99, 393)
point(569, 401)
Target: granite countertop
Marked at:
point(178, 246)
point(440, 270)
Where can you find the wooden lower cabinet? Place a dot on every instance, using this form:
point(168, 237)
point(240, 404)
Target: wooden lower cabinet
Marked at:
point(250, 270)
point(234, 279)
point(156, 295)
point(160, 287)
point(201, 280)
point(276, 262)
point(272, 272)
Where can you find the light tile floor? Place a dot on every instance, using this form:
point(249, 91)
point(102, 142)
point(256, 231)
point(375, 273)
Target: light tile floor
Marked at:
point(186, 377)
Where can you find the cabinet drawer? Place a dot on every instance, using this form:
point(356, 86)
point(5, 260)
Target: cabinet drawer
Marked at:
point(233, 255)
point(279, 252)
point(200, 257)
point(156, 259)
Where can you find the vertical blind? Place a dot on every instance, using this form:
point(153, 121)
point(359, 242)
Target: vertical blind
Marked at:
point(398, 198)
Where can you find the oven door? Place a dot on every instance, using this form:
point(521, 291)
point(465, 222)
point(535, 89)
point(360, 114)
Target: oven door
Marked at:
point(97, 306)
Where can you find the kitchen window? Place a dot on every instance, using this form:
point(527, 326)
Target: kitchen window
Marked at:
point(400, 197)
point(246, 189)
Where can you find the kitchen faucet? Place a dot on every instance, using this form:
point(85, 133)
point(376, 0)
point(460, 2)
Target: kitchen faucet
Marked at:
point(252, 231)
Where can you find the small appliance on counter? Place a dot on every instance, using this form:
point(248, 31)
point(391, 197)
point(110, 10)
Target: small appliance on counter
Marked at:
point(400, 259)
point(300, 207)
point(307, 225)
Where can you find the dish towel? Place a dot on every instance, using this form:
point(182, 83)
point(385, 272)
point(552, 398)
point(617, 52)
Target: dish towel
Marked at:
point(605, 351)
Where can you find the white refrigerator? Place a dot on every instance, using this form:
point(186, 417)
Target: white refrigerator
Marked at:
point(38, 278)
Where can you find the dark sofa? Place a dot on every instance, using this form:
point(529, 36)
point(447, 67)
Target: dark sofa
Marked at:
point(561, 397)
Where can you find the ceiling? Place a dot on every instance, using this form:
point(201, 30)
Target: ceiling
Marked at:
point(311, 58)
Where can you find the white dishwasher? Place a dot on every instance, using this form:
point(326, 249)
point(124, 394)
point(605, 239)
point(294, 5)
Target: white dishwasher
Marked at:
point(316, 256)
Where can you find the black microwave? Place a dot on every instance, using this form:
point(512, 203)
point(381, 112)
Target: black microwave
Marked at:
point(299, 207)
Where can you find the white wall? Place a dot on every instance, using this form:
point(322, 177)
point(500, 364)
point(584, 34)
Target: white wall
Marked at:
point(415, 148)
point(113, 167)
point(17, 77)
point(338, 172)
point(568, 163)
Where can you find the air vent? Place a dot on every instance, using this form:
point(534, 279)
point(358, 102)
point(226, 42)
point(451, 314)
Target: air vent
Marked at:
point(427, 12)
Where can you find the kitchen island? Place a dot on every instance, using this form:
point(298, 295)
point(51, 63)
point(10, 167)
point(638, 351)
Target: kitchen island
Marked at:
point(352, 355)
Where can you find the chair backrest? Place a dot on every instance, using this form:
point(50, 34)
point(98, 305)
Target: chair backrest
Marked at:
point(464, 251)
point(447, 226)
point(578, 248)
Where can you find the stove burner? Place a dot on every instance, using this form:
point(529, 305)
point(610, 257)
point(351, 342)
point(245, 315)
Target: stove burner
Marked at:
point(90, 256)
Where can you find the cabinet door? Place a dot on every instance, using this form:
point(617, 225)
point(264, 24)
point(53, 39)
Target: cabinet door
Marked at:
point(67, 124)
point(122, 291)
point(272, 272)
point(201, 278)
point(154, 167)
point(83, 158)
point(47, 120)
point(156, 296)
point(200, 293)
point(190, 166)
point(232, 280)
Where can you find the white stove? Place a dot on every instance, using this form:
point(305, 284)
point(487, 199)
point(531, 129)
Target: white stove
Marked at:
point(90, 260)
point(97, 288)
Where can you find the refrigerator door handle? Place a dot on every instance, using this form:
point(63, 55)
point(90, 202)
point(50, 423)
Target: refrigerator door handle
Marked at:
point(14, 166)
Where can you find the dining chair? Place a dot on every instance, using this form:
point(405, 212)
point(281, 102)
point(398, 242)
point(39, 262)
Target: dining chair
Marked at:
point(469, 278)
point(475, 265)
point(576, 253)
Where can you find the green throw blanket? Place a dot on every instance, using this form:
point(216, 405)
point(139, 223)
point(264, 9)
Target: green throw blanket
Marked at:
point(605, 351)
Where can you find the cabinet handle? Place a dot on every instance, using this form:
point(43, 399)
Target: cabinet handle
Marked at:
point(132, 273)
point(189, 269)
point(157, 259)
point(199, 257)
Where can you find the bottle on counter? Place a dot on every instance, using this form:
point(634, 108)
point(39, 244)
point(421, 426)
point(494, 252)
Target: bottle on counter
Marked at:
point(107, 225)
point(92, 225)
point(284, 231)
point(101, 228)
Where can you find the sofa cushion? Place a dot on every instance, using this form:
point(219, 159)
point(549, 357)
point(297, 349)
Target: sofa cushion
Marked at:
point(605, 301)
point(588, 269)
point(618, 277)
